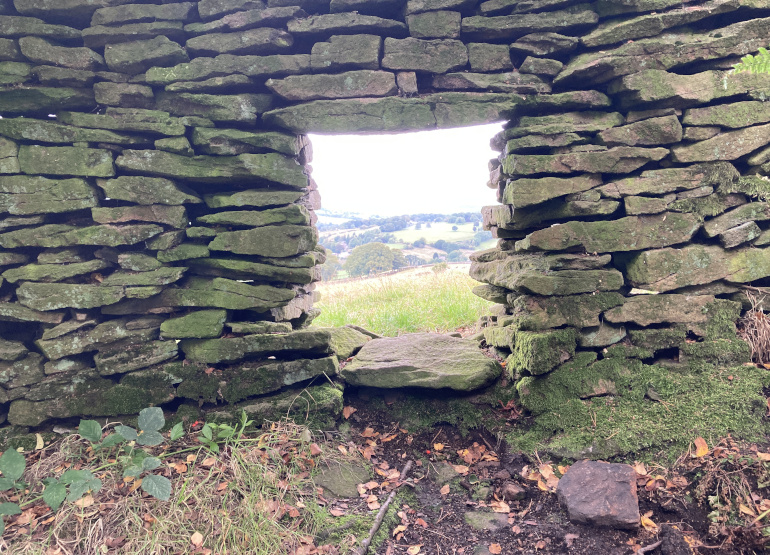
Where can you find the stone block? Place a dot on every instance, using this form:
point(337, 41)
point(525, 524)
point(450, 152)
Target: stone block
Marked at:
point(15, 73)
point(440, 24)
point(175, 145)
point(407, 83)
point(60, 235)
point(63, 77)
point(531, 191)
point(739, 235)
point(536, 353)
point(172, 216)
point(236, 108)
point(227, 64)
point(432, 56)
point(259, 41)
point(545, 44)
point(419, 6)
point(649, 132)
point(621, 159)
point(122, 359)
point(541, 66)
point(513, 82)
point(210, 9)
point(45, 100)
point(25, 195)
point(147, 190)
point(515, 26)
point(9, 51)
point(281, 242)
point(485, 57)
point(144, 13)
point(247, 19)
point(14, 26)
point(326, 25)
point(346, 52)
point(729, 145)
point(259, 168)
point(292, 214)
point(139, 56)
point(672, 180)
point(152, 122)
point(98, 36)
point(626, 234)
point(65, 160)
point(351, 84)
point(231, 142)
point(256, 198)
point(53, 296)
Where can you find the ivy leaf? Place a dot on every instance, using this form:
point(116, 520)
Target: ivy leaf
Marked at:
point(126, 432)
point(12, 465)
point(9, 509)
point(111, 441)
point(90, 430)
point(157, 486)
point(54, 495)
point(151, 419)
point(176, 432)
point(150, 438)
point(150, 463)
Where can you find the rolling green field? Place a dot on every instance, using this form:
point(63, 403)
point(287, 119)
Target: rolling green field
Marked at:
point(407, 302)
point(437, 230)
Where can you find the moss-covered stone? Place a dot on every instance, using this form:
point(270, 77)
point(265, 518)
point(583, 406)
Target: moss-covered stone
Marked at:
point(346, 341)
point(259, 327)
point(271, 167)
point(579, 311)
point(14, 312)
point(147, 190)
point(65, 160)
point(620, 159)
point(185, 251)
point(155, 122)
point(60, 235)
point(201, 324)
point(530, 191)
point(292, 215)
point(255, 197)
point(231, 142)
point(350, 84)
point(53, 272)
point(140, 55)
point(514, 26)
point(282, 241)
point(536, 353)
point(755, 211)
point(159, 276)
point(626, 234)
point(238, 348)
point(45, 100)
point(122, 359)
point(21, 372)
point(570, 122)
point(42, 131)
point(346, 52)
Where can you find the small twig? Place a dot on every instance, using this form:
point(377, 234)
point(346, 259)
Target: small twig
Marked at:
point(649, 547)
point(323, 534)
point(383, 510)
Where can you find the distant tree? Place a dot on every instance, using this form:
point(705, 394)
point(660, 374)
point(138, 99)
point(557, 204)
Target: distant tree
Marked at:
point(427, 225)
point(456, 256)
point(330, 268)
point(435, 256)
point(373, 258)
point(454, 228)
point(414, 260)
point(420, 243)
point(418, 226)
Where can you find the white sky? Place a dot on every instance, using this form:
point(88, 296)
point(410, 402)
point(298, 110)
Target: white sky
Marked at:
point(441, 171)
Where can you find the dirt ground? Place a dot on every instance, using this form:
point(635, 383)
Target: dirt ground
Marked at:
point(432, 519)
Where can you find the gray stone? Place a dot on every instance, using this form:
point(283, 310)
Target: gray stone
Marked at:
point(545, 44)
point(53, 272)
point(626, 234)
point(755, 211)
point(648, 132)
point(527, 192)
point(139, 56)
point(351, 84)
point(541, 66)
point(26, 371)
point(505, 7)
point(201, 324)
point(730, 145)
point(45, 100)
point(346, 341)
point(516, 26)
point(147, 190)
point(209, 9)
point(9, 160)
point(60, 235)
point(259, 327)
point(235, 268)
point(486, 521)
point(569, 122)
point(63, 77)
point(346, 52)
point(440, 24)
point(603, 335)
point(154, 122)
point(229, 83)
point(600, 494)
point(126, 95)
point(283, 241)
point(700, 133)
point(172, 216)
point(185, 251)
point(255, 197)
point(256, 168)
point(579, 311)
point(292, 214)
point(14, 26)
point(14, 312)
point(489, 57)
point(175, 145)
point(656, 309)
point(53, 296)
point(15, 73)
point(231, 142)
point(672, 180)
point(236, 108)
point(41, 51)
point(325, 25)
point(248, 19)
point(134, 357)
point(144, 13)
point(98, 36)
point(421, 360)
point(341, 480)
point(39, 195)
point(418, 6)
point(739, 235)
point(434, 56)
point(12, 350)
point(159, 276)
point(621, 159)
point(496, 82)
point(65, 160)
point(237, 348)
point(666, 51)
point(260, 41)
point(228, 64)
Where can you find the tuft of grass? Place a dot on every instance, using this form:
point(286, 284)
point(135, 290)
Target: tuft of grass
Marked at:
point(416, 301)
point(256, 496)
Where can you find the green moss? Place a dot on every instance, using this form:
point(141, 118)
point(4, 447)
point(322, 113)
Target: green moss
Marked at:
point(658, 339)
point(622, 350)
point(718, 351)
point(539, 352)
point(711, 205)
point(751, 185)
point(27, 442)
point(706, 404)
point(722, 317)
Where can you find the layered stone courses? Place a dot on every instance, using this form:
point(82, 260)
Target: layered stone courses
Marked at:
point(170, 196)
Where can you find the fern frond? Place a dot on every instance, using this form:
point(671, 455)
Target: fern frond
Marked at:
point(760, 63)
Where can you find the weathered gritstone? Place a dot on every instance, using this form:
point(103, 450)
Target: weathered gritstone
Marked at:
point(169, 198)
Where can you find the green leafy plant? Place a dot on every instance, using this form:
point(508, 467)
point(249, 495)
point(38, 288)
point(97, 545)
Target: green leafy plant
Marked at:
point(759, 63)
point(151, 420)
point(213, 434)
point(12, 465)
point(92, 431)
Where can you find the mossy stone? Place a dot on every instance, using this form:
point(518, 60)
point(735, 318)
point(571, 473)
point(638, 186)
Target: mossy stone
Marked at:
point(201, 324)
point(259, 327)
point(45, 100)
point(345, 341)
point(52, 296)
point(292, 215)
point(153, 122)
point(66, 160)
point(53, 272)
point(509, 27)
point(231, 142)
point(159, 276)
point(43, 131)
point(22, 372)
point(536, 353)
point(122, 359)
point(172, 216)
point(147, 190)
point(60, 235)
point(140, 55)
point(281, 241)
point(228, 64)
point(238, 348)
point(256, 197)
point(185, 251)
point(579, 311)
point(341, 480)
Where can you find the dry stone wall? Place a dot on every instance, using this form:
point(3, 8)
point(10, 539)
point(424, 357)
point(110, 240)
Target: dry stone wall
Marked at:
point(157, 236)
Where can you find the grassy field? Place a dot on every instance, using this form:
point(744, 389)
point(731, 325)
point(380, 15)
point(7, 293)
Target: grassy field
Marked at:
point(412, 301)
point(437, 230)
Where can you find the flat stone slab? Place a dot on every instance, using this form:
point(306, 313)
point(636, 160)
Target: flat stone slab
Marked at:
point(426, 360)
point(600, 494)
point(341, 480)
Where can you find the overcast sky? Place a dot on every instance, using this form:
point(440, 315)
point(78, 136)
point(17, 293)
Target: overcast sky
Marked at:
point(441, 171)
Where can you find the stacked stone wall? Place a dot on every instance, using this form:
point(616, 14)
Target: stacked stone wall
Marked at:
point(157, 241)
